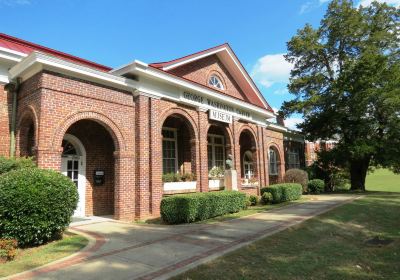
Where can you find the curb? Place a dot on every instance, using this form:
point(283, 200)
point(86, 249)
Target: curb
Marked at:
point(94, 244)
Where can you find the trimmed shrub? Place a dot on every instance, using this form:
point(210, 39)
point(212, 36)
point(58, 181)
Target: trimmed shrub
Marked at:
point(8, 164)
point(253, 200)
point(297, 176)
point(35, 205)
point(316, 186)
point(186, 208)
point(284, 192)
point(266, 198)
point(8, 249)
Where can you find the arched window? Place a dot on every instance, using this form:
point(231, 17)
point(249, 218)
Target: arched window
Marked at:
point(248, 165)
point(216, 82)
point(273, 162)
point(68, 148)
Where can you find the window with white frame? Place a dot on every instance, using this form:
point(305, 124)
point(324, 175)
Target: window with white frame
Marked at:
point(248, 165)
point(293, 159)
point(273, 162)
point(216, 151)
point(169, 150)
point(216, 82)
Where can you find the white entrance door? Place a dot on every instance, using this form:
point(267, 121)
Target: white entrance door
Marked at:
point(71, 166)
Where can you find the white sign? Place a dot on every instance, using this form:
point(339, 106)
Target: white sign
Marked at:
point(220, 116)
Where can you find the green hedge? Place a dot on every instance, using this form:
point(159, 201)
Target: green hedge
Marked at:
point(284, 192)
point(186, 208)
point(35, 205)
point(8, 164)
point(316, 186)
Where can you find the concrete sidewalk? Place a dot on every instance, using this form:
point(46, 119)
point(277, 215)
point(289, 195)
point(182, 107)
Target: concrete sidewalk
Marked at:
point(131, 251)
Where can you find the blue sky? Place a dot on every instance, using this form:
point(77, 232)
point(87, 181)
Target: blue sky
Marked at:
point(116, 32)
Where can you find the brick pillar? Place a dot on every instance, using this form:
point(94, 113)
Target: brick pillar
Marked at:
point(142, 156)
point(156, 185)
point(236, 151)
point(202, 177)
point(49, 159)
point(124, 187)
point(260, 153)
point(266, 157)
point(5, 113)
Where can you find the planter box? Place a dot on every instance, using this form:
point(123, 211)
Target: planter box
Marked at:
point(215, 183)
point(180, 186)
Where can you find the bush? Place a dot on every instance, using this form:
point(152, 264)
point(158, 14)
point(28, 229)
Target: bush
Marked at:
point(316, 186)
point(266, 198)
point(253, 200)
point(297, 176)
point(284, 192)
point(8, 249)
point(8, 164)
point(186, 208)
point(35, 205)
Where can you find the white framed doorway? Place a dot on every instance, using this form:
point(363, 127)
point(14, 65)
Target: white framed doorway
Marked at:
point(73, 165)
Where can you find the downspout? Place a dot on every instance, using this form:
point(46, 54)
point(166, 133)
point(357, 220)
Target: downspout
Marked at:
point(13, 88)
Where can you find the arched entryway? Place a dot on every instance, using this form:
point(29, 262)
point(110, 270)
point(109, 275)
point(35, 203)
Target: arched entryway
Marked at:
point(219, 147)
point(26, 136)
point(88, 159)
point(178, 152)
point(248, 158)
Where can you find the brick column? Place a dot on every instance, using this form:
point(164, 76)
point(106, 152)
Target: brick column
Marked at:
point(260, 153)
point(5, 113)
point(124, 186)
point(202, 175)
point(49, 159)
point(266, 157)
point(236, 151)
point(156, 185)
point(142, 156)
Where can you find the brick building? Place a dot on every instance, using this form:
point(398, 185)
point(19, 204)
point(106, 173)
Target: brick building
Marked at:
point(120, 133)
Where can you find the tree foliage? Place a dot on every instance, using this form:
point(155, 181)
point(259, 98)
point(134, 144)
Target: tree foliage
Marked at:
point(346, 83)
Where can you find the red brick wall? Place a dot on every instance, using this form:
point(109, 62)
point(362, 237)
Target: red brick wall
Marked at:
point(200, 71)
point(5, 115)
point(54, 102)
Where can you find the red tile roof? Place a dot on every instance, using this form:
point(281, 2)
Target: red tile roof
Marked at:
point(15, 44)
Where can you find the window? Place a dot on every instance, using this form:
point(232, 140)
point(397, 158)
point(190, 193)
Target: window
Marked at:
point(248, 165)
point(273, 163)
point(215, 82)
point(293, 159)
point(170, 151)
point(216, 151)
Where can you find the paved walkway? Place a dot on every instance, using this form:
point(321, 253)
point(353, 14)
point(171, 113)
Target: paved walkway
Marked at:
point(132, 251)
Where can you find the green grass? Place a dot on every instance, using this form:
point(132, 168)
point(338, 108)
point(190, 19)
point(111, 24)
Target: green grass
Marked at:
point(330, 246)
point(383, 180)
point(30, 258)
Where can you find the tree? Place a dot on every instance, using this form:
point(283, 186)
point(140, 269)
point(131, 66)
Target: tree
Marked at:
point(346, 83)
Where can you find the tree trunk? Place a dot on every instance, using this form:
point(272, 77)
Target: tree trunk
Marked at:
point(358, 173)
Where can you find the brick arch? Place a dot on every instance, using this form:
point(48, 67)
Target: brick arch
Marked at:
point(28, 117)
point(187, 117)
point(107, 123)
point(277, 148)
point(252, 132)
point(226, 129)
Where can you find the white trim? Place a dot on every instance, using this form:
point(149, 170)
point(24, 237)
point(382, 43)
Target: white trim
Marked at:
point(4, 79)
point(179, 186)
point(12, 55)
point(199, 56)
point(53, 62)
point(212, 144)
point(82, 172)
point(156, 73)
point(277, 127)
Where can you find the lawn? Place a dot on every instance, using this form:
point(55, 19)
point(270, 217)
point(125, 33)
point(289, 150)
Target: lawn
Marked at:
point(383, 180)
point(34, 257)
point(334, 245)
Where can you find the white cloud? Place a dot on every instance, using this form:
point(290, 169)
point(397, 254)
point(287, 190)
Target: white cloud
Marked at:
point(291, 122)
point(365, 3)
point(271, 69)
point(306, 7)
point(281, 91)
point(323, 1)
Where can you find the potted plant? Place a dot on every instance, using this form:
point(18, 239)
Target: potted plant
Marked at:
point(216, 178)
point(178, 181)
